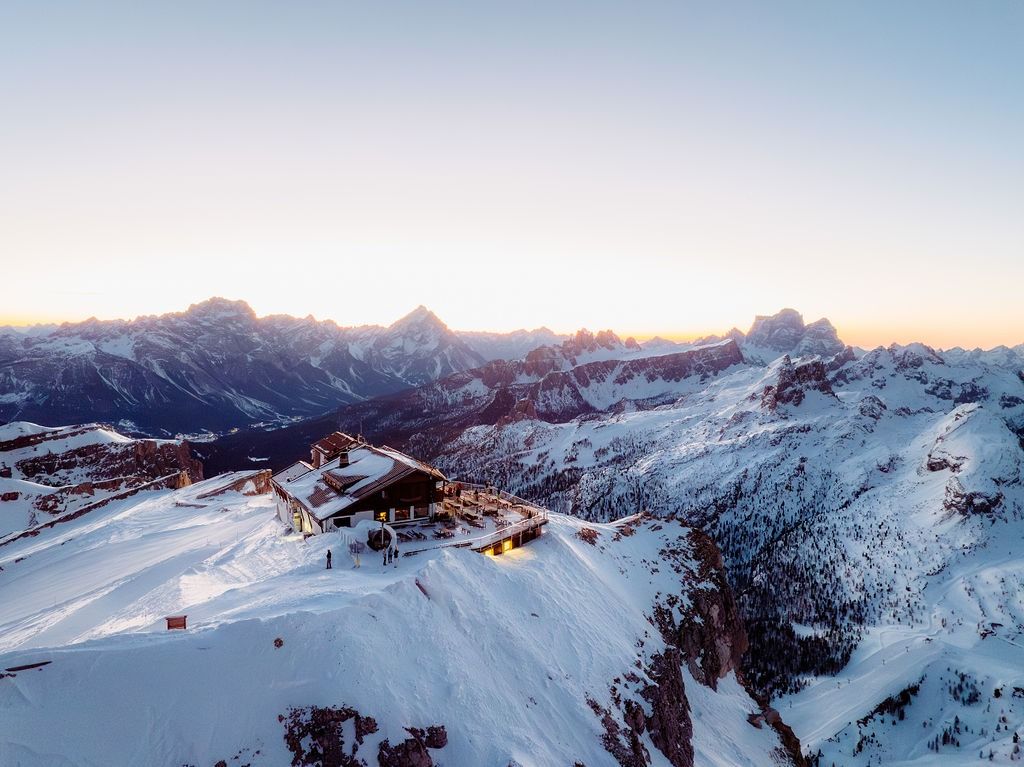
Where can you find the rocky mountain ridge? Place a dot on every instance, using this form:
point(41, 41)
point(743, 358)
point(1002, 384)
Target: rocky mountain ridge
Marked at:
point(47, 473)
point(216, 366)
point(868, 505)
point(870, 509)
point(552, 384)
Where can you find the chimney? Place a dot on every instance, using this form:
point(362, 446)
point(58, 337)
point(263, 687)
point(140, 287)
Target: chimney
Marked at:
point(343, 458)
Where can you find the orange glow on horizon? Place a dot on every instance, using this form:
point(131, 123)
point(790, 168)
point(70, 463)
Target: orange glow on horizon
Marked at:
point(866, 335)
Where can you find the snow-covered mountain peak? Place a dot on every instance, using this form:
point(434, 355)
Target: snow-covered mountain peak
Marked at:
point(781, 331)
point(217, 365)
point(785, 331)
point(585, 346)
point(820, 337)
point(509, 346)
point(585, 341)
point(219, 309)
point(420, 319)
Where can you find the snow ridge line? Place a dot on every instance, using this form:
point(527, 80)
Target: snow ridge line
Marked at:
point(161, 483)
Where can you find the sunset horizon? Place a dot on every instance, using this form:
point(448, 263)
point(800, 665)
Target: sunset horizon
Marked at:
point(666, 173)
point(865, 338)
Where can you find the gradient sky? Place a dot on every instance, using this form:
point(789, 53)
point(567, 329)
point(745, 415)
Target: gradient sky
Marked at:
point(658, 168)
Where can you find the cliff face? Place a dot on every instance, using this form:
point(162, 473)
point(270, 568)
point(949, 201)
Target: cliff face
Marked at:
point(711, 635)
point(63, 469)
point(704, 641)
point(135, 459)
point(794, 381)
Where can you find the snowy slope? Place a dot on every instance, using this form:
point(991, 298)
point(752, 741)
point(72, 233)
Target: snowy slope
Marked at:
point(513, 655)
point(860, 501)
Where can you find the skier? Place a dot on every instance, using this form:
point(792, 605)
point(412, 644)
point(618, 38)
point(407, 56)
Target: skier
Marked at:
point(328, 559)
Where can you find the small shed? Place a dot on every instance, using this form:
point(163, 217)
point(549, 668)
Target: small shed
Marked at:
point(176, 622)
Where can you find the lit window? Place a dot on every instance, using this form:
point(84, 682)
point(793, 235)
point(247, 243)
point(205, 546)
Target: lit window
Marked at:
point(506, 545)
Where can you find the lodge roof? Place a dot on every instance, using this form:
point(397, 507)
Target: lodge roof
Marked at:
point(333, 487)
point(297, 469)
point(335, 442)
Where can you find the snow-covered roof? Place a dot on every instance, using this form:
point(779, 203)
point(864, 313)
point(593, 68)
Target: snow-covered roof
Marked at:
point(336, 485)
point(408, 460)
point(297, 469)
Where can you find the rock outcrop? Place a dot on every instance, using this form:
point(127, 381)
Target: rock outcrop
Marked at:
point(703, 633)
point(315, 735)
point(139, 458)
point(794, 381)
point(963, 501)
point(413, 751)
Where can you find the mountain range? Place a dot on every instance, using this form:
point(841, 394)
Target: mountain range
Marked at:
point(218, 366)
point(869, 505)
point(584, 375)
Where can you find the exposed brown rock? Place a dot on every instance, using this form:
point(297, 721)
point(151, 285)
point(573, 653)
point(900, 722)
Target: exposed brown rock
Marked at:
point(702, 631)
point(315, 737)
point(712, 635)
point(412, 752)
point(962, 501)
point(669, 725)
point(140, 458)
point(790, 742)
point(794, 382)
point(623, 743)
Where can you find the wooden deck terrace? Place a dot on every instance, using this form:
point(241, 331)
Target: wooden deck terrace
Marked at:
point(506, 521)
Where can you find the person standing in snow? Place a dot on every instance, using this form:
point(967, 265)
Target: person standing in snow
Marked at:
point(328, 559)
point(355, 549)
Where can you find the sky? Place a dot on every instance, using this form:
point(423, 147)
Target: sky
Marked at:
point(657, 168)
